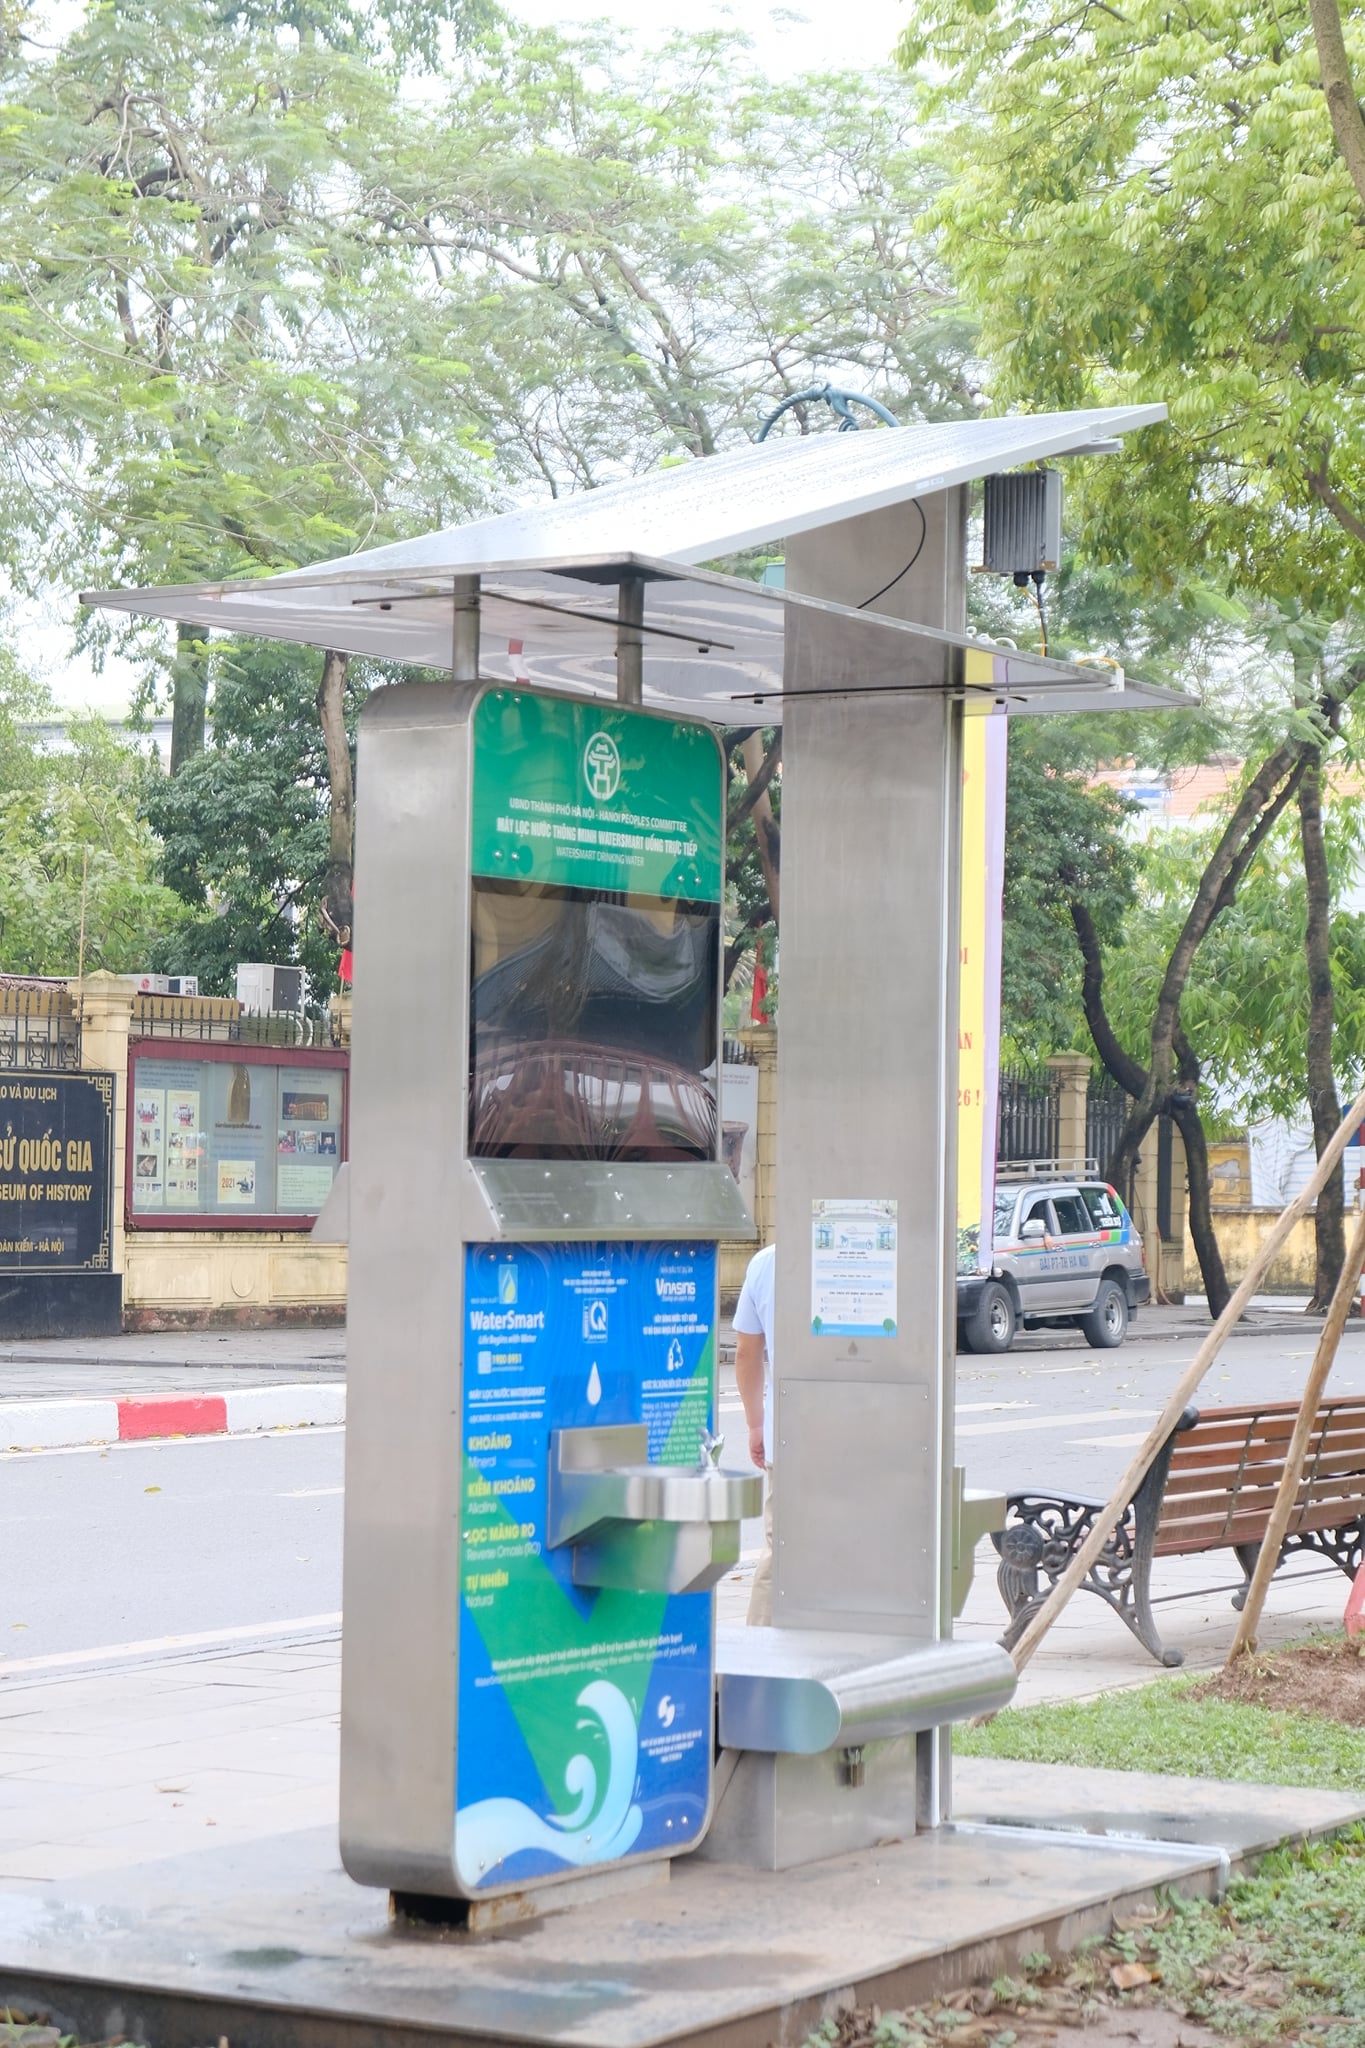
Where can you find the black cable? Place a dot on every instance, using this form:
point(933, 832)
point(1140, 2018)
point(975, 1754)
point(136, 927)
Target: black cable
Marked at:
point(1022, 579)
point(923, 536)
point(1038, 600)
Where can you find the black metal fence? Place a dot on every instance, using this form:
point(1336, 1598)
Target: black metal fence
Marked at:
point(1030, 1115)
point(208, 1020)
point(1106, 1113)
point(42, 1042)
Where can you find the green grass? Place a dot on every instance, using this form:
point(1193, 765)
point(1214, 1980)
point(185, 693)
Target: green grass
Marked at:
point(1159, 1727)
point(1281, 1959)
point(1294, 1934)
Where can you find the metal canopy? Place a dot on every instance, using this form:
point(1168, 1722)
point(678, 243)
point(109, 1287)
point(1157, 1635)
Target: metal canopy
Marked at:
point(713, 645)
point(699, 510)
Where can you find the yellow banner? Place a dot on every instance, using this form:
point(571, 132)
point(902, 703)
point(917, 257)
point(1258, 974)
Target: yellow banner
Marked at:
point(978, 1043)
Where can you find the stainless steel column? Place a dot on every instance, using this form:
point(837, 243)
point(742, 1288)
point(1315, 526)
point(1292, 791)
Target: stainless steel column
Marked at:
point(630, 647)
point(404, 1323)
point(464, 637)
point(867, 1091)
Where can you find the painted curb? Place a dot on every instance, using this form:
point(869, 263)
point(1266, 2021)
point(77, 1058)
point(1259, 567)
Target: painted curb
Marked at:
point(244, 1411)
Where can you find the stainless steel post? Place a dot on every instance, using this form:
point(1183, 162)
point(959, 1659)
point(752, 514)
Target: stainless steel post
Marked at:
point(464, 637)
point(630, 646)
point(871, 791)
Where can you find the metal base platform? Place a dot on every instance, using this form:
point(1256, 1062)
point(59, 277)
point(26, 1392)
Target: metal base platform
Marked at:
point(271, 1943)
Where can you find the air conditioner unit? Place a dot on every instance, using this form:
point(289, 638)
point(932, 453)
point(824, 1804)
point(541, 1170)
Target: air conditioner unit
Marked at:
point(1022, 522)
point(264, 989)
point(168, 984)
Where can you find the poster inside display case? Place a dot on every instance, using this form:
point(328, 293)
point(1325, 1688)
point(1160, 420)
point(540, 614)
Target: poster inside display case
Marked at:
point(232, 1138)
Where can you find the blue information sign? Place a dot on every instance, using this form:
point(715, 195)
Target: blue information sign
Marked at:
point(585, 1716)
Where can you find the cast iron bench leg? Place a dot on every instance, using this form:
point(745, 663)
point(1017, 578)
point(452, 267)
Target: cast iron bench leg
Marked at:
point(1247, 1554)
point(1042, 1534)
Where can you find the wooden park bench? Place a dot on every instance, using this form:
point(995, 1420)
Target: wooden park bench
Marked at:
point(1211, 1488)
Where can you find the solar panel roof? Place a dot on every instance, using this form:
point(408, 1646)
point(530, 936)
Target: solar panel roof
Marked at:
point(713, 644)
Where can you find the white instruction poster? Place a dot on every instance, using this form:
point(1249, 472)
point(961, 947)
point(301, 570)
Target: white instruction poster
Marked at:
point(853, 1268)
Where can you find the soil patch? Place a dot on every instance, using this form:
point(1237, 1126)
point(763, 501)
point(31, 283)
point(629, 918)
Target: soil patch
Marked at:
point(1326, 1679)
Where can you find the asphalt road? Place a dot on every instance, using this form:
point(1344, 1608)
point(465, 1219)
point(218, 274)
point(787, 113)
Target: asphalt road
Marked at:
point(136, 1544)
point(146, 1541)
point(1054, 1412)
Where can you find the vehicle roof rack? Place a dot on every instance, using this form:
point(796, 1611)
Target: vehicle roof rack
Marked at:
point(1014, 1170)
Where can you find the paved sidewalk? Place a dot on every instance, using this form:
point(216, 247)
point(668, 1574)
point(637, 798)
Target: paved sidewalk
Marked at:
point(207, 1743)
point(142, 1360)
point(167, 1362)
point(1089, 1651)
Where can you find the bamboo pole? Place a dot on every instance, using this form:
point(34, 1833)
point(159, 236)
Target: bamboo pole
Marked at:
point(85, 877)
point(1112, 1512)
point(1323, 1360)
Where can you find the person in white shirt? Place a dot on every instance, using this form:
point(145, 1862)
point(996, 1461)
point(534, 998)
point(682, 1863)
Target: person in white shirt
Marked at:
point(754, 1377)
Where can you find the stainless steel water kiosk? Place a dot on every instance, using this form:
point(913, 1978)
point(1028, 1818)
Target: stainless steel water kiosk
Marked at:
point(532, 1313)
point(536, 1197)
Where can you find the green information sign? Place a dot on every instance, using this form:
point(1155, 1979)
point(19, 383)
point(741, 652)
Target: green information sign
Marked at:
point(577, 791)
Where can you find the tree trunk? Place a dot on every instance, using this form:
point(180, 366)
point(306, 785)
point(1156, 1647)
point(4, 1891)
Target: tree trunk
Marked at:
point(1323, 1104)
point(765, 824)
point(189, 696)
point(336, 909)
point(1185, 1114)
point(1338, 88)
point(1276, 782)
point(1259, 808)
point(1181, 1102)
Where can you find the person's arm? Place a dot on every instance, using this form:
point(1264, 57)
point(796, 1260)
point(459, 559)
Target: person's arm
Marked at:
point(749, 1380)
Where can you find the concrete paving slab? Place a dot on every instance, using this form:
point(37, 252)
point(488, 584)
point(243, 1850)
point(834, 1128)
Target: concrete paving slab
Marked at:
point(1244, 1820)
point(272, 1943)
point(184, 1350)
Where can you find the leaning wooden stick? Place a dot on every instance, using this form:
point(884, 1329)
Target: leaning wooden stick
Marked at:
point(1110, 1515)
point(1323, 1360)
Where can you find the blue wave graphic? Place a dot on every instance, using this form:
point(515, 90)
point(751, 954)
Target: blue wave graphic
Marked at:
point(491, 1830)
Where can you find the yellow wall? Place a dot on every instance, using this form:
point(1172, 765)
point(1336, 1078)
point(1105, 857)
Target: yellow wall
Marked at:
point(175, 1277)
point(1240, 1231)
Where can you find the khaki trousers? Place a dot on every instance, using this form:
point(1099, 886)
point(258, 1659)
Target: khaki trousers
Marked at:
point(760, 1614)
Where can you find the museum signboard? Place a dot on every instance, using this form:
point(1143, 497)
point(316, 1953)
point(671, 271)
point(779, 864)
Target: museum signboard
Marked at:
point(56, 1250)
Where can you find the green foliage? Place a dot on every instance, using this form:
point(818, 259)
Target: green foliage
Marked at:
point(1064, 838)
point(1245, 1009)
point(748, 913)
point(244, 824)
point(260, 303)
point(1279, 1958)
point(204, 364)
point(641, 252)
point(23, 702)
point(1297, 1922)
point(1149, 204)
point(72, 839)
point(1161, 1727)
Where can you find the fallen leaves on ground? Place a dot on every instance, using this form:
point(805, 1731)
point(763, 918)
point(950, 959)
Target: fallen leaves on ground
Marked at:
point(1280, 1961)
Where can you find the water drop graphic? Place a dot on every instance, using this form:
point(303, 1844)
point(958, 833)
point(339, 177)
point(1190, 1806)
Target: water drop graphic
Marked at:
point(594, 1388)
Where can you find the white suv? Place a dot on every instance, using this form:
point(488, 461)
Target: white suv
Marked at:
point(1065, 1255)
